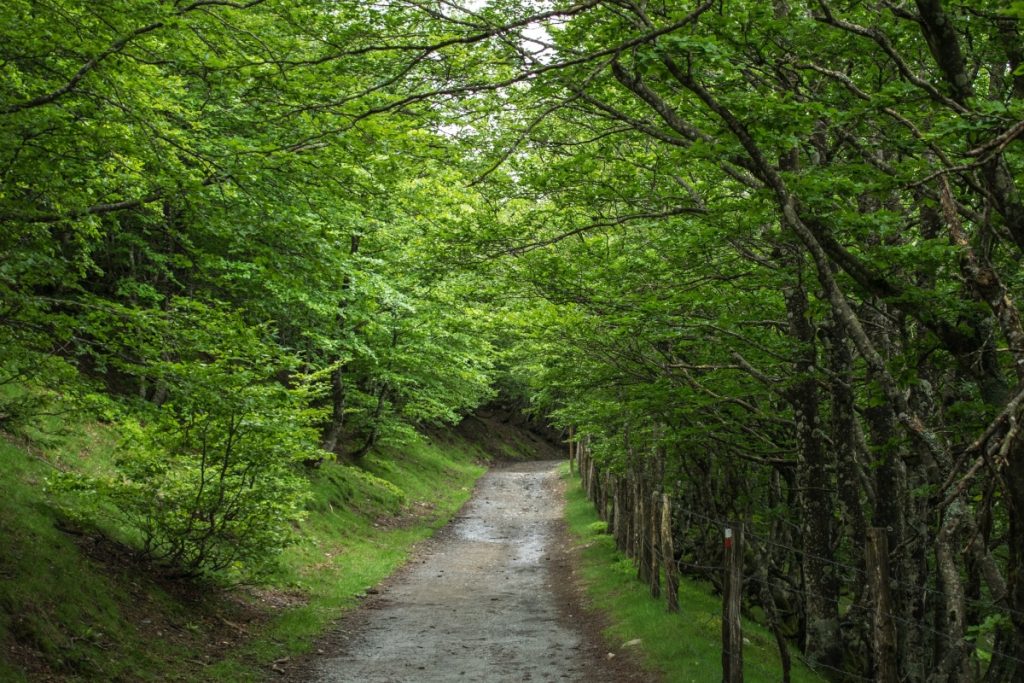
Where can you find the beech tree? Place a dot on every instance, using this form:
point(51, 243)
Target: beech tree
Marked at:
point(203, 225)
point(861, 162)
point(763, 258)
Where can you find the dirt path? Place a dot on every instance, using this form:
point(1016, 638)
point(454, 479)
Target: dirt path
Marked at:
point(489, 599)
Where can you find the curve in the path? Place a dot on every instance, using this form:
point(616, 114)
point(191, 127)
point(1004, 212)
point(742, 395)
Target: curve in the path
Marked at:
point(480, 605)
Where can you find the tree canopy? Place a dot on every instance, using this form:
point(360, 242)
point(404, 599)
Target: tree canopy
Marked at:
point(762, 258)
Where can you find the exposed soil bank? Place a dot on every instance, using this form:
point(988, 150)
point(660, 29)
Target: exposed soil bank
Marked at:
point(487, 600)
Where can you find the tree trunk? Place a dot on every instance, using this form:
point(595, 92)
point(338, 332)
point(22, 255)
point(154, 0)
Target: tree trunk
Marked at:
point(822, 643)
point(1013, 478)
point(371, 438)
point(883, 637)
point(772, 619)
point(332, 433)
point(643, 534)
point(952, 654)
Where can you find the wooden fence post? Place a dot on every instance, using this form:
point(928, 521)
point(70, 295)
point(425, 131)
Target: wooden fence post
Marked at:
point(591, 479)
point(732, 593)
point(643, 533)
point(668, 555)
point(602, 498)
point(622, 506)
point(654, 517)
point(572, 448)
point(633, 537)
point(581, 456)
point(583, 465)
point(883, 635)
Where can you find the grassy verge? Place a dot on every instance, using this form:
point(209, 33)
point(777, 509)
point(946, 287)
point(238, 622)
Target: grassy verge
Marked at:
point(364, 523)
point(63, 613)
point(76, 607)
point(685, 647)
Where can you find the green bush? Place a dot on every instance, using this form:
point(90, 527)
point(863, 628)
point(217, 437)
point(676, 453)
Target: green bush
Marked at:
point(208, 483)
point(212, 484)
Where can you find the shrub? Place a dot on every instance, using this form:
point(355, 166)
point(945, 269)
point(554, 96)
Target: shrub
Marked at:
point(209, 482)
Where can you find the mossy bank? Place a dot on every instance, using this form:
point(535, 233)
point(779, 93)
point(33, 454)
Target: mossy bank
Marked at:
point(75, 605)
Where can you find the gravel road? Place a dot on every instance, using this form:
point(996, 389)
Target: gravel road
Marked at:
point(489, 599)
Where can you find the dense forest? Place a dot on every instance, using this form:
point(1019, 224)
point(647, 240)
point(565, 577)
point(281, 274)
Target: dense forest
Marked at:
point(761, 260)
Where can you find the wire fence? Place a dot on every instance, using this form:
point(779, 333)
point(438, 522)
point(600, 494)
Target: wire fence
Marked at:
point(847, 572)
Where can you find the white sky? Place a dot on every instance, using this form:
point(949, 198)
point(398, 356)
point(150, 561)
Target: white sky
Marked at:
point(536, 32)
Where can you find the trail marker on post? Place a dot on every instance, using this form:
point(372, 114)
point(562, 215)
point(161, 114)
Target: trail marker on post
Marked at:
point(732, 592)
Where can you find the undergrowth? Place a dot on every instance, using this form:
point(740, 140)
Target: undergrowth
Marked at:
point(77, 604)
point(685, 647)
point(362, 525)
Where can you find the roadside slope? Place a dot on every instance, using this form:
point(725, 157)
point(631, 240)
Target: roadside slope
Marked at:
point(75, 606)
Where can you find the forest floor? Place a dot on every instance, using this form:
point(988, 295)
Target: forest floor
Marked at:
point(491, 597)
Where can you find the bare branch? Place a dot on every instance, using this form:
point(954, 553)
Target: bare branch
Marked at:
point(612, 222)
point(883, 42)
point(998, 143)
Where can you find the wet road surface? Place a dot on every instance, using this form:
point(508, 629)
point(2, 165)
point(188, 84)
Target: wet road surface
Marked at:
point(481, 603)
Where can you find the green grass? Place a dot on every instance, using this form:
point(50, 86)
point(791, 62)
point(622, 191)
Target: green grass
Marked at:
point(64, 613)
point(353, 541)
point(57, 604)
point(685, 647)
